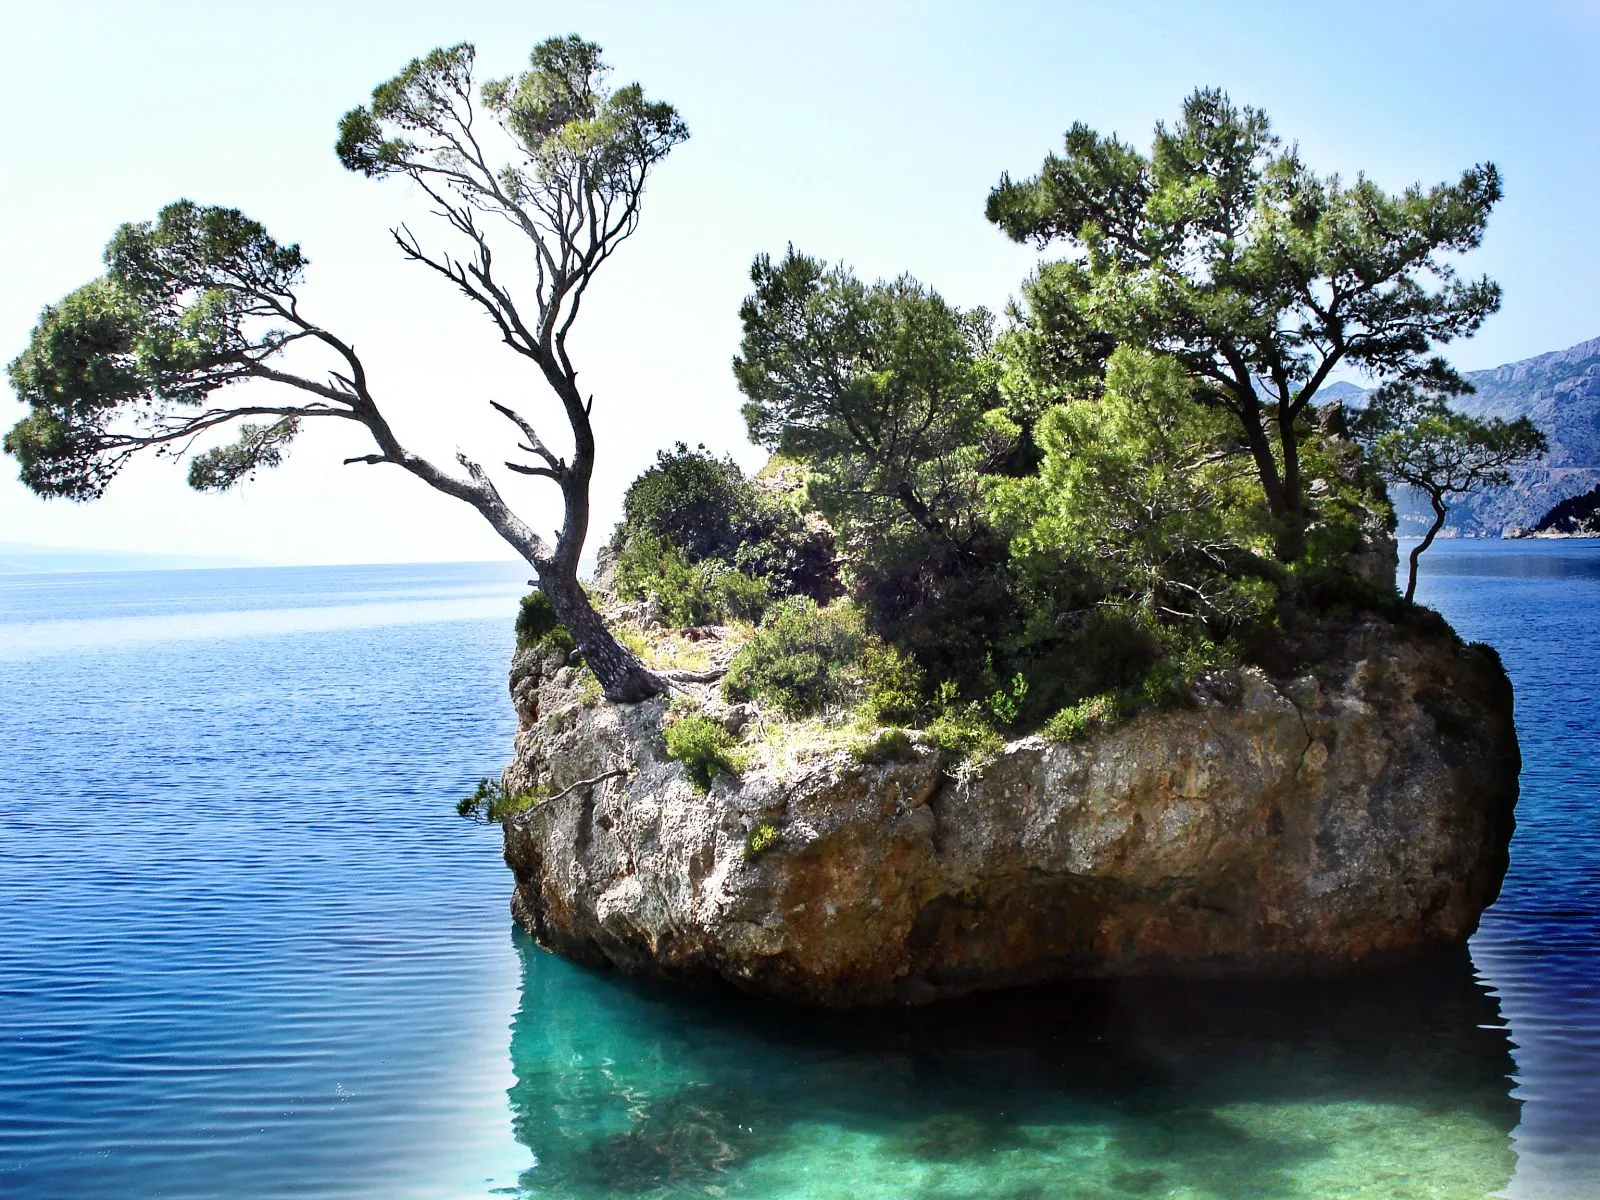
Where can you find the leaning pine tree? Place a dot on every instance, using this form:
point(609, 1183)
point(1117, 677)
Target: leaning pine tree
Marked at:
point(141, 359)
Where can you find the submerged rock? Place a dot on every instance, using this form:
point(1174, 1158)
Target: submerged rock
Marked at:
point(1317, 822)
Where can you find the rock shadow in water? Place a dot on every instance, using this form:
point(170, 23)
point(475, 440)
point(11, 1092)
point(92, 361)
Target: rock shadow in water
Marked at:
point(628, 1087)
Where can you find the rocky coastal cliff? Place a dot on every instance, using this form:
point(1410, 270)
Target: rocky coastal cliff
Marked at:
point(1319, 820)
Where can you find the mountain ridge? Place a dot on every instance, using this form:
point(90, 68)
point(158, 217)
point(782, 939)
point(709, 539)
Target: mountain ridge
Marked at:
point(1559, 391)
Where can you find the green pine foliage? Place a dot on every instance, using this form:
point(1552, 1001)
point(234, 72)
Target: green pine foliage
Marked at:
point(490, 803)
point(1221, 248)
point(1137, 488)
point(538, 627)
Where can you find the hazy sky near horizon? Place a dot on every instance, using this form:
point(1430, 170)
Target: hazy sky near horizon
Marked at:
point(867, 132)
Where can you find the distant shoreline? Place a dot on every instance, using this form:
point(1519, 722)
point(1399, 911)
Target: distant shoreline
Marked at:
point(21, 559)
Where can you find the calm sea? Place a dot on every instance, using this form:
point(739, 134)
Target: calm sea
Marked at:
point(247, 950)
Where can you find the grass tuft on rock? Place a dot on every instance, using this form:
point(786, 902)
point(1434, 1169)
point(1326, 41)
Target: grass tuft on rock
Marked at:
point(764, 836)
point(883, 745)
point(705, 748)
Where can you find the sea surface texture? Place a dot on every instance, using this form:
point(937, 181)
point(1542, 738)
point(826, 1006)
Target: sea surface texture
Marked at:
point(247, 950)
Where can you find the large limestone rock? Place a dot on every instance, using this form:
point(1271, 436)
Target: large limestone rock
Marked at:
point(1324, 821)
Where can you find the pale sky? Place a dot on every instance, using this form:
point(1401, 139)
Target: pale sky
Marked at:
point(868, 132)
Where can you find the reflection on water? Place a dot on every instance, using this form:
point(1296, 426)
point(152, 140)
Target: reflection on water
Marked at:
point(1392, 1087)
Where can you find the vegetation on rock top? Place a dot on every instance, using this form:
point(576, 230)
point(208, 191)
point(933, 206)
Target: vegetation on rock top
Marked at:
point(982, 525)
point(1057, 521)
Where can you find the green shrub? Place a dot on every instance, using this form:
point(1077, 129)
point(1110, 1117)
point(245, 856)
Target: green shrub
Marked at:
point(795, 556)
point(946, 612)
point(1086, 717)
point(894, 684)
point(1005, 703)
point(762, 837)
point(538, 626)
point(704, 747)
point(802, 658)
point(690, 500)
point(682, 592)
point(1169, 683)
point(708, 592)
point(740, 597)
point(891, 744)
point(705, 545)
point(491, 803)
point(966, 733)
point(1141, 485)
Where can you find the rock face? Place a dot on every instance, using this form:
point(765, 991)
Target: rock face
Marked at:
point(1315, 823)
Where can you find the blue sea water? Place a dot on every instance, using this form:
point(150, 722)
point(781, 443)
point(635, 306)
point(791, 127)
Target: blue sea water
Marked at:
point(247, 950)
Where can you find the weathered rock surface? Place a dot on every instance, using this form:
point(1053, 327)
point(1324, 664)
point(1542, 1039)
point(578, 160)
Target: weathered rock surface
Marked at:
point(1318, 823)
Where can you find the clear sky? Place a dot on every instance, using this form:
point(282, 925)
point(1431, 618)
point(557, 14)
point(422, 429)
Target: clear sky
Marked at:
point(868, 132)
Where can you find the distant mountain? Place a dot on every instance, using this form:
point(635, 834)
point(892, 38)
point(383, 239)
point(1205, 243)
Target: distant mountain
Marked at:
point(20, 558)
point(1342, 390)
point(1560, 391)
point(1577, 517)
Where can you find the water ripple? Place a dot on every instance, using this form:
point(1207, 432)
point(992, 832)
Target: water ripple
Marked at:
point(247, 951)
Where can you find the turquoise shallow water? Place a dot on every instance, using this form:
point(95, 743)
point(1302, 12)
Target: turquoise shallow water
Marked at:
point(246, 950)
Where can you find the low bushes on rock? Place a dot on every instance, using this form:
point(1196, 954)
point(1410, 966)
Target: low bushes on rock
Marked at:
point(704, 545)
point(538, 626)
point(964, 730)
point(802, 658)
point(894, 685)
point(1084, 718)
point(890, 744)
point(704, 746)
point(685, 592)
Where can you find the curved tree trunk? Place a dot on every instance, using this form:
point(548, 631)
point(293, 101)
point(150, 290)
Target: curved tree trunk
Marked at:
point(1255, 436)
point(1416, 551)
point(623, 678)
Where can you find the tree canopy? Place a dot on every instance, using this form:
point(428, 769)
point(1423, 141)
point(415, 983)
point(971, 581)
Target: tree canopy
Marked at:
point(882, 387)
point(203, 297)
point(198, 299)
point(1417, 439)
point(1131, 482)
point(1221, 248)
